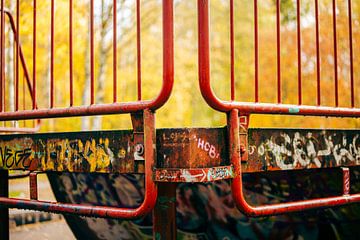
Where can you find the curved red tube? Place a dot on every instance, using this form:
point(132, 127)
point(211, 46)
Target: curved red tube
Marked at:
point(113, 108)
point(102, 211)
point(272, 209)
point(249, 107)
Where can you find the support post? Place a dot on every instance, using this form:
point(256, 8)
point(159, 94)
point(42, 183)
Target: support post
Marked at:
point(164, 218)
point(4, 212)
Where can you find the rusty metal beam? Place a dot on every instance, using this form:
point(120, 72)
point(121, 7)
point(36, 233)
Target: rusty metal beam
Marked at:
point(193, 150)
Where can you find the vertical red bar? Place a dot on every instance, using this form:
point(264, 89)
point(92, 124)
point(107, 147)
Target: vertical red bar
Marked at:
point(168, 43)
point(23, 93)
point(318, 73)
point(256, 45)
point(335, 55)
point(34, 58)
point(232, 51)
point(33, 186)
point(52, 45)
point(71, 63)
point(114, 51)
point(2, 57)
point(92, 53)
point(17, 55)
point(4, 79)
point(278, 41)
point(298, 17)
point(138, 41)
point(351, 55)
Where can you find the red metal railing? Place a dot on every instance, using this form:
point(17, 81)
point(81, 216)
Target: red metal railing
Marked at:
point(280, 208)
point(147, 107)
point(146, 206)
point(115, 107)
point(20, 57)
point(237, 108)
point(277, 107)
point(150, 196)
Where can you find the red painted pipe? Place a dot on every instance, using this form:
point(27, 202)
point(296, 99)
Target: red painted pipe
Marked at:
point(102, 211)
point(114, 108)
point(71, 54)
point(92, 53)
point(21, 54)
point(278, 49)
point(232, 52)
point(17, 37)
point(298, 30)
point(2, 55)
point(351, 54)
point(336, 74)
point(34, 56)
point(272, 209)
point(249, 107)
point(256, 48)
point(115, 51)
point(138, 48)
point(52, 54)
point(318, 59)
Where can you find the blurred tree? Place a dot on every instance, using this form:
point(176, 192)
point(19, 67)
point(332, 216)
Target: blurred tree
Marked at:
point(186, 106)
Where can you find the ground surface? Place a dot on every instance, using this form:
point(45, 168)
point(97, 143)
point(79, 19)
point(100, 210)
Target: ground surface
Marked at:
point(54, 230)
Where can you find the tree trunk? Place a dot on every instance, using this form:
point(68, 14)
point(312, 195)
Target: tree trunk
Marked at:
point(103, 53)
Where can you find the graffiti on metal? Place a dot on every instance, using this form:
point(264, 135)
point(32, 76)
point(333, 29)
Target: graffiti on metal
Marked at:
point(194, 174)
point(112, 151)
point(272, 149)
point(116, 151)
point(191, 148)
point(82, 152)
point(207, 210)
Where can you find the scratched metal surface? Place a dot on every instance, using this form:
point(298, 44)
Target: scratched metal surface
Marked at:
point(289, 149)
point(187, 148)
point(111, 151)
point(191, 147)
point(72, 152)
point(207, 210)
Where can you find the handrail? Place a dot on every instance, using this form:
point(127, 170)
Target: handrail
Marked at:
point(279, 208)
point(250, 107)
point(115, 107)
point(147, 205)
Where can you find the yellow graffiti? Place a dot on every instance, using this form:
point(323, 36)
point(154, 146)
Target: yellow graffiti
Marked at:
point(59, 155)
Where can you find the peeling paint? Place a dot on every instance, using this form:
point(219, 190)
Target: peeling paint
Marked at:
point(294, 110)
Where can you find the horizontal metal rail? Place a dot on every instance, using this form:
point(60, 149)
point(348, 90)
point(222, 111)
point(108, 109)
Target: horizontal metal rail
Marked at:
point(184, 154)
point(277, 107)
point(94, 108)
point(281, 208)
point(146, 206)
